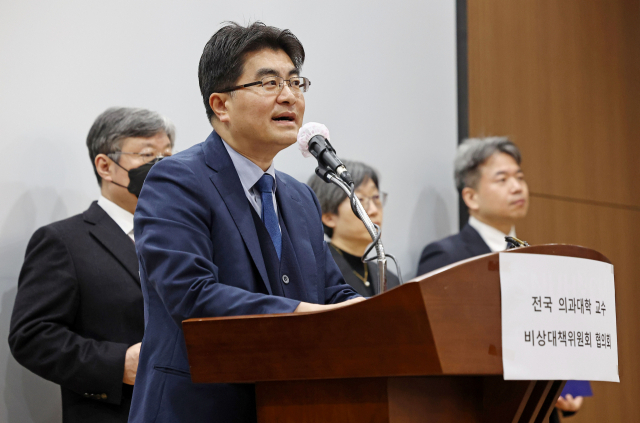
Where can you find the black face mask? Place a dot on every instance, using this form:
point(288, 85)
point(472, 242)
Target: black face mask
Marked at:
point(137, 175)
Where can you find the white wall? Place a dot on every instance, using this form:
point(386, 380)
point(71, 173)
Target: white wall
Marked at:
point(384, 82)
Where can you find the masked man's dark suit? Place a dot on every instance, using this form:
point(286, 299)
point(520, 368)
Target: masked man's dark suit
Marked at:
point(204, 252)
point(78, 308)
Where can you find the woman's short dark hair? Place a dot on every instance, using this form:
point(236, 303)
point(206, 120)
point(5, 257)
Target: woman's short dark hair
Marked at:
point(222, 60)
point(330, 196)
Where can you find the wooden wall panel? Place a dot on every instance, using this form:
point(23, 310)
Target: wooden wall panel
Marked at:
point(562, 79)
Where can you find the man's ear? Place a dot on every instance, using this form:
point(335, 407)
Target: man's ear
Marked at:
point(218, 103)
point(470, 198)
point(329, 219)
point(104, 167)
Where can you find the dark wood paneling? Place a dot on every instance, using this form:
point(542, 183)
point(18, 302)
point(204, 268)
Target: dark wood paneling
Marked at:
point(350, 400)
point(562, 78)
point(614, 232)
point(429, 399)
point(406, 400)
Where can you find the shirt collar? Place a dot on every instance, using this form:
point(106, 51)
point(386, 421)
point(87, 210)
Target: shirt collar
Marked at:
point(123, 218)
point(490, 235)
point(248, 171)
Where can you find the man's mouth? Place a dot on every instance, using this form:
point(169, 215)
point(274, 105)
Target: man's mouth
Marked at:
point(285, 117)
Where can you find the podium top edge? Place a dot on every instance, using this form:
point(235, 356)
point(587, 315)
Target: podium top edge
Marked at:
point(567, 250)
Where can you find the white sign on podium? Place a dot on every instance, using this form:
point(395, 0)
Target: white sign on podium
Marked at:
point(558, 318)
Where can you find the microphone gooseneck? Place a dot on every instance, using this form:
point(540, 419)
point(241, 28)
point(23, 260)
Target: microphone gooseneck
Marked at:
point(313, 140)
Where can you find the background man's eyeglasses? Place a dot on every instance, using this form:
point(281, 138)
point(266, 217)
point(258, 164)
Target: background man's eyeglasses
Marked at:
point(378, 200)
point(274, 85)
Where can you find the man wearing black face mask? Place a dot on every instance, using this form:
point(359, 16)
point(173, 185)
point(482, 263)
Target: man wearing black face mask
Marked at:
point(78, 315)
point(137, 175)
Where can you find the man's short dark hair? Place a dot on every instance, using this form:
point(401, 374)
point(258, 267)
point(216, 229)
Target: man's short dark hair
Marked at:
point(330, 196)
point(473, 152)
point(117, 123)
point(222, 60)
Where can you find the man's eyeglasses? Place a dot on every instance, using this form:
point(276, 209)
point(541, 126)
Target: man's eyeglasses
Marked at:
point(274, 85)
point(378, 200)
point(143, 157)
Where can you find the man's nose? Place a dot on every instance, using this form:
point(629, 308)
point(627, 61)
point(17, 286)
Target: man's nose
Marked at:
point(286, 95)
point(516, 185)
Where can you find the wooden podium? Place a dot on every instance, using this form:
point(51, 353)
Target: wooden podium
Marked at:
point(427, 351)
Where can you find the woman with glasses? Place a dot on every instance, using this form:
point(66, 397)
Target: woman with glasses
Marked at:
point(348, 236)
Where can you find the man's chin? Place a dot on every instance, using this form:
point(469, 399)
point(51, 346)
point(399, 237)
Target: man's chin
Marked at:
point(286, 139)
point(519, 215)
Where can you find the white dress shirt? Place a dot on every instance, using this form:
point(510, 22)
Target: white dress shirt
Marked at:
point(490, 235)
point(123, 218)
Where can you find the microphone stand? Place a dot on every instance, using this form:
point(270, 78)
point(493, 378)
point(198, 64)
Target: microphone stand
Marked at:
point(373, 230)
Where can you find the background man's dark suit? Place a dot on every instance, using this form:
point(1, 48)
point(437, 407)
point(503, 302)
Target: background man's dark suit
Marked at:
point(352, 279)
point(79, 307)
point(461, 246)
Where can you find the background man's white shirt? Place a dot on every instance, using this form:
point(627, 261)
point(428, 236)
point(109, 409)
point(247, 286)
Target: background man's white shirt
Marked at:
point(123, 218)
point(490, 235)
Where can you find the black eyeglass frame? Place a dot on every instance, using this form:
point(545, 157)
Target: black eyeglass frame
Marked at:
point(261, 83)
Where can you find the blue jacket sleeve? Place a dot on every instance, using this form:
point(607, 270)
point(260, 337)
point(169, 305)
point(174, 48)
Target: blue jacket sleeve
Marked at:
point(173, 224)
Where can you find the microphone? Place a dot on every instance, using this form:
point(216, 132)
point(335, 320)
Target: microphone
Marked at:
point(313, 140)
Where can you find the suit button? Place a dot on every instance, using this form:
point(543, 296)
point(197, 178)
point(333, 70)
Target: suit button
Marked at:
point(285, 278)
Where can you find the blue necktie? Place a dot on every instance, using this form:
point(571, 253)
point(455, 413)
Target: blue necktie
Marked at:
point(269, 217)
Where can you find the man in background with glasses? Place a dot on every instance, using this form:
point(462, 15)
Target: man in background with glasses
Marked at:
point(220, 232)
point(78, 315)
point(349, 237)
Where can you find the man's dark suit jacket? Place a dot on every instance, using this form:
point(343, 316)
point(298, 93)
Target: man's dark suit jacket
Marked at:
point(461, 246)
point(77, 310)
point(352, 279)
point(200, 256)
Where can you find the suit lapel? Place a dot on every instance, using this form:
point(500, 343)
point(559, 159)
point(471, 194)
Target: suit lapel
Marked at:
point(107, 232)
point(226, 180)
point(293, 215)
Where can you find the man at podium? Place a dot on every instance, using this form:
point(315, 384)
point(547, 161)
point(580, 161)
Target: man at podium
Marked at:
point(220, 232)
